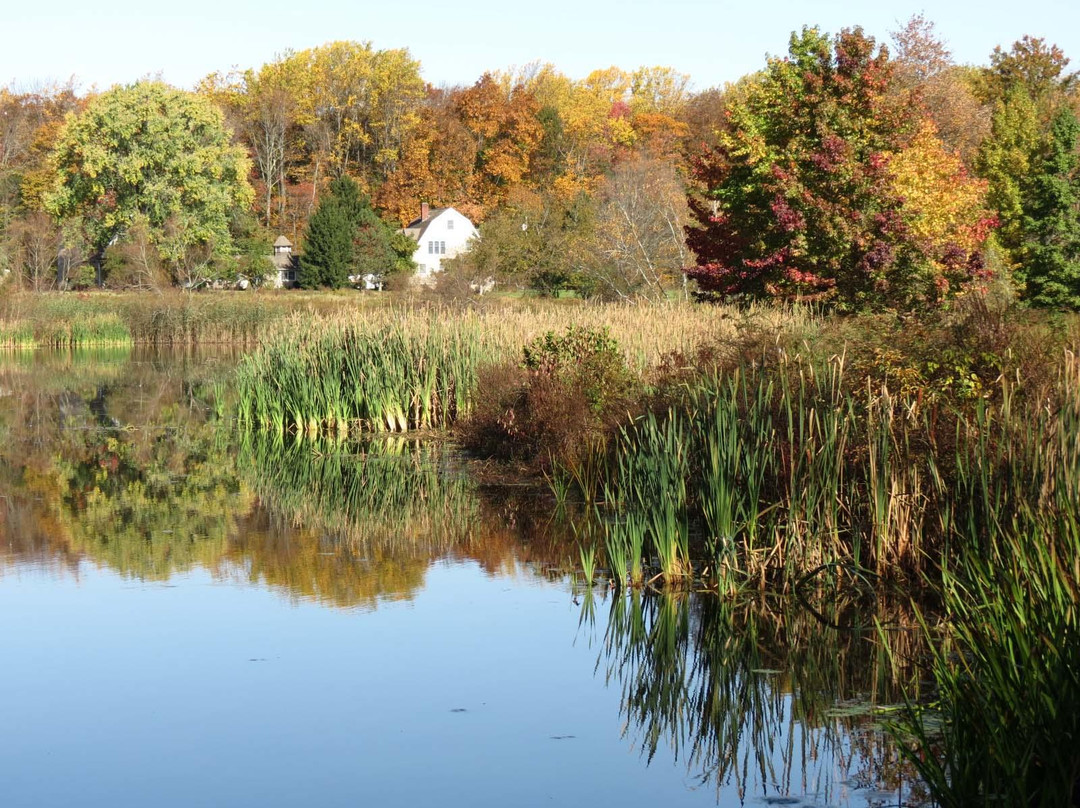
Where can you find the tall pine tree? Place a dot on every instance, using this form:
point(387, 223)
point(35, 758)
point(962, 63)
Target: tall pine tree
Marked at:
point(346, 237)
point(328, 247)
point(1051, 271)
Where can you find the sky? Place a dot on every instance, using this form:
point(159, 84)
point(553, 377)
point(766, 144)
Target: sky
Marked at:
point(714, 41)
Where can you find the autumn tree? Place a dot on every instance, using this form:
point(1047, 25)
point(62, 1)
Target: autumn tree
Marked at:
point(33, 240)
point(944, 210)
point(1032, 63)
point(800, 199)
point(704, 117)
point(638, 248)
point(506, 132)
point(924, 68)
point(357, 106)
point(29, 123)
point(1051, 218)
point(152, 153)
point(263, 108)
point(437, 163)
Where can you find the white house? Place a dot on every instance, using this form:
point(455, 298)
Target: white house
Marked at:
point(284, 274)
point(439, 233)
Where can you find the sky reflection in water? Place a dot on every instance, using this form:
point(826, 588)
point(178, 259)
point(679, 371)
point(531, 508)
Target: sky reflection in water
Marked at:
point(304, 647)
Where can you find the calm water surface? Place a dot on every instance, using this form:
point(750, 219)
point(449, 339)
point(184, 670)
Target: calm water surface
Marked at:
point(192, 618)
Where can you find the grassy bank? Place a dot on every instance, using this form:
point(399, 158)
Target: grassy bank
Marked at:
point(66, 319)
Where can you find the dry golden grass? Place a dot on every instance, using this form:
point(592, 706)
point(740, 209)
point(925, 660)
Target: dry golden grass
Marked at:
point(646, 333)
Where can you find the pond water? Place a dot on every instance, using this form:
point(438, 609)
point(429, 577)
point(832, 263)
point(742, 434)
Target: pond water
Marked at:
point(192, 617)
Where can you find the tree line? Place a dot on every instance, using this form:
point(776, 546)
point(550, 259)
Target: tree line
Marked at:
point(846, 170)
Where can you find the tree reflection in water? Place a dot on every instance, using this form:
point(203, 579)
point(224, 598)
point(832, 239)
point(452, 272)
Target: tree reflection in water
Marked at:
point(119, 461)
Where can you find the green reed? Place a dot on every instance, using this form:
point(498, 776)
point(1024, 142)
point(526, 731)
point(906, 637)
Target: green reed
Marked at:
point(58, 319)
point(84, 330)
point(1003, 725)
point(648, 492)
point(391, 377)
point(774, 472)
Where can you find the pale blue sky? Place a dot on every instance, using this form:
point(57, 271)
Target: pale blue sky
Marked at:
point(713, 40)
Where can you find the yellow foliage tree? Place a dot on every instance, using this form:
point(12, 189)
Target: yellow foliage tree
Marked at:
point(943, 204)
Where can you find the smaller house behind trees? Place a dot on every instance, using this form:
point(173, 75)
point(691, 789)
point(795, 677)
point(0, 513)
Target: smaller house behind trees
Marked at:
point(284, 276)
point(439, 233)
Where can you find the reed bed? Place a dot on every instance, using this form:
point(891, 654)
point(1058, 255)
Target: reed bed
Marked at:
point(1006, 712)
point(416, 368)
point(378, 377)
point(786, 472)
point(83, 330)
point(64, 319)
point(246, 318)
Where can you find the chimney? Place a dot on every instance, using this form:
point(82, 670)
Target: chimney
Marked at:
point(424, 211)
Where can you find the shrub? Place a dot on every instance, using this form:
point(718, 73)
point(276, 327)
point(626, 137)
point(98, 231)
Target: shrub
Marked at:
point(566, 395)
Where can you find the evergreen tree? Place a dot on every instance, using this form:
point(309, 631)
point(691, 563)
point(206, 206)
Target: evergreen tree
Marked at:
point(346, 237)
point(328, 247)
point(1051, 272)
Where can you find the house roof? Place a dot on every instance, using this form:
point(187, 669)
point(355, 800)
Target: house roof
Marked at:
point(282, 242)
point(416, 227)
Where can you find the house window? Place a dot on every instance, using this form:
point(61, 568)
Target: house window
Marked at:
point(442, 248)
point(290, 275)
point(449, 224)
point(431, 247)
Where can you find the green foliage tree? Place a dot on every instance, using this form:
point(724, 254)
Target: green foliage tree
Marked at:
point(1051, 220)
point(533, 241)
point(151, 153)
point(1005, 159)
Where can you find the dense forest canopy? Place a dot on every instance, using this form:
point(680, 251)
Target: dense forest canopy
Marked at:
point(869, 174)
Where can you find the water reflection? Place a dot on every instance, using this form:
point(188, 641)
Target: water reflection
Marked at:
point(116, 459)
point(111, 459)
point(762, 697)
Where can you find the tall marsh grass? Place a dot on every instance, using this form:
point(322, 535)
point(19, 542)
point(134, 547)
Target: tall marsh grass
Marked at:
point(244, 318)
point(64, 319)
point(417, 368)
point(1006, 717)
point(789, 470)
point(382, 378)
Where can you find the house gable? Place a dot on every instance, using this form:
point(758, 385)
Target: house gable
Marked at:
point(444, 234)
